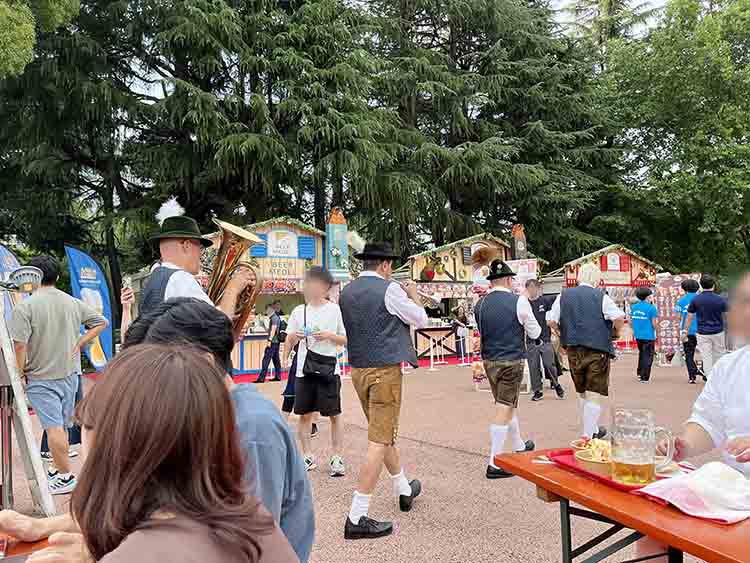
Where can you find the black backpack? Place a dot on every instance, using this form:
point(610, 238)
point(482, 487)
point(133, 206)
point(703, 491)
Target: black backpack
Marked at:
point(282, 330)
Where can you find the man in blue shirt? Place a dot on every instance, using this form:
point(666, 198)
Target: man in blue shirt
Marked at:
point(689, 343)
point(710, 308)
point(643, 316)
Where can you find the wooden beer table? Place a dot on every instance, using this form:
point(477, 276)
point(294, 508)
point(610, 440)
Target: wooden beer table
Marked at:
point(18, 551)
point(711, 542)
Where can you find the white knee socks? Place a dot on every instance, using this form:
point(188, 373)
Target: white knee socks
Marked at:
point(519, 444)
point(497, 434)
point(591, 412)
point(360, 507)
point(401, 484)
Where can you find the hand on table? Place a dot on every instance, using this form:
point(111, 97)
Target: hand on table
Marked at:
point(22, 527)
point(63, 547)
point(740, 449)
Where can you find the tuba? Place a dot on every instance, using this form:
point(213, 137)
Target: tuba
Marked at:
point(230, 256)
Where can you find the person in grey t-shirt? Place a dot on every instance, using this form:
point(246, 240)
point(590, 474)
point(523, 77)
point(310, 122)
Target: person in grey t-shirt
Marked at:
point(46, 330)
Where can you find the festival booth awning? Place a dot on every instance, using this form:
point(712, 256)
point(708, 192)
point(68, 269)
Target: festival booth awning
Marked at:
point(620, 266)
point(623, 270)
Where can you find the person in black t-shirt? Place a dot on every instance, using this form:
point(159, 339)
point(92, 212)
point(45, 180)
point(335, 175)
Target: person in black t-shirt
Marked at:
point(541, 357)
point(709, 307)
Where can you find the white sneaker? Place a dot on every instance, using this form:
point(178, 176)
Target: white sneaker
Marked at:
point(337, 467)
point(52, 474)
point(310, 463)
point(62, 485)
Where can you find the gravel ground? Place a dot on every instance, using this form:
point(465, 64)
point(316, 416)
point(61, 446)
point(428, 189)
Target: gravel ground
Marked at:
point(444, 441)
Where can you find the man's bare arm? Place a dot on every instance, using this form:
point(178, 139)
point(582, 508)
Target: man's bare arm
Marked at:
point(20, 349)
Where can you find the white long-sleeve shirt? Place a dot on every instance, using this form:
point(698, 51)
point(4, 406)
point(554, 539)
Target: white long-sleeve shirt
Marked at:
point(524, 314)
point(182, 284)
point(610, 310)
point(400, 305)
point(723, 408)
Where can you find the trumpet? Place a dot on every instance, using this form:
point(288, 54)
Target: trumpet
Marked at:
point(427, 300)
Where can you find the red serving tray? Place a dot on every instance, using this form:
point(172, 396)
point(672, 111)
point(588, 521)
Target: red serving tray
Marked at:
point(566, 459)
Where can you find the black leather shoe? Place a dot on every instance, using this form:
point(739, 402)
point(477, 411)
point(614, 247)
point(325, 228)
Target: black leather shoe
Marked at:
point(560, 391)
point(405, 501)
point(494, 473)
point(538, 396)
point(367, 528)
point(601, 434)
point(529, 446)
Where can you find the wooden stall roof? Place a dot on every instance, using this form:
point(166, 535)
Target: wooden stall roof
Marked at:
point(602, 252)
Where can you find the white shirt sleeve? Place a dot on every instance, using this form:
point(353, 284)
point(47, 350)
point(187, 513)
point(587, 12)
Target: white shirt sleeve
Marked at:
point(709, 409)
point(296, 320)
point(554, 313)
point(399, 305)
point(611, 311)
point(183, 284)
point(527, 319)
point(340, 328)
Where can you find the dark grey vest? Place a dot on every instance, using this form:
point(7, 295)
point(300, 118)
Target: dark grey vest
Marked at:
point(497, 319)
point(582, 322)
point(375, 338)
point(153, 292)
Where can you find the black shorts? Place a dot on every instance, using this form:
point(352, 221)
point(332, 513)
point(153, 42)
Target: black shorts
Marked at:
point(315, 394)
point(288, 404)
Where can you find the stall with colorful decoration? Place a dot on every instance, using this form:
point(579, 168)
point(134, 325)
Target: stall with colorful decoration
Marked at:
point(454, 275)
point(623, 270)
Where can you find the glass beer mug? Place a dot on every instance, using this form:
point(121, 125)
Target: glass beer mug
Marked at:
point(634, 440)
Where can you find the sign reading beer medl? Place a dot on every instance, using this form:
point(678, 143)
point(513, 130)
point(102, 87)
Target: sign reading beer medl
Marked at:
point(90, 285)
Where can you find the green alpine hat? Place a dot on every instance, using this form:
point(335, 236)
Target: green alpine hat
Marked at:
point(181, 227)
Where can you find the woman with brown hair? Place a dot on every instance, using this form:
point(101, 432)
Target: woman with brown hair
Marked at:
point(163, 478)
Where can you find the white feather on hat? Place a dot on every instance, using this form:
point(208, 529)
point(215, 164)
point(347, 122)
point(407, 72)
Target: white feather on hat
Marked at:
point(355, 241)
point(169, 208)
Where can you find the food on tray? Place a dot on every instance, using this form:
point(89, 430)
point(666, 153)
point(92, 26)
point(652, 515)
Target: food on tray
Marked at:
point(601, 450)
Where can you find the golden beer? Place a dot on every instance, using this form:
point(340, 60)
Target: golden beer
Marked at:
point(633, 473)
point(96, 353)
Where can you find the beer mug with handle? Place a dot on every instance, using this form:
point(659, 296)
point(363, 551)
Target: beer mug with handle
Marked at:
point(634, 440)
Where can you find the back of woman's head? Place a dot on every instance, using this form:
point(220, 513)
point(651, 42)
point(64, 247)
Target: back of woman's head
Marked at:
point(164, 439)
point(185, 320)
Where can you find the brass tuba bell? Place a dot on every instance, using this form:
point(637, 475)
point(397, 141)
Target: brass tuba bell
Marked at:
point(230, 256)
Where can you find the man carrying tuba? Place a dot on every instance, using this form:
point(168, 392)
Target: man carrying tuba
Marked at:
point(180, 247)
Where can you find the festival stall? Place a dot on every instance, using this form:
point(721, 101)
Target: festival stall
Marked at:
point(622, 272)
point(454, 275)
point(289, 249)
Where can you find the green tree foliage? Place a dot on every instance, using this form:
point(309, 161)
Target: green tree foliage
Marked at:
point(17, 22)
point(683, 97)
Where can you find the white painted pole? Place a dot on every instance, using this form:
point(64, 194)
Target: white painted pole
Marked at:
point(432, 354)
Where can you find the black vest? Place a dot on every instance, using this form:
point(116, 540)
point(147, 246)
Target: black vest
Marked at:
point(153, 292)
point(582, 322)
point(375, 338)
point(497, 319)
point(540, 307)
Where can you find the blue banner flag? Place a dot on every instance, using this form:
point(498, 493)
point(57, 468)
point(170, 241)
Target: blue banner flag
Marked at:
point(8, 263)
point(90, 285)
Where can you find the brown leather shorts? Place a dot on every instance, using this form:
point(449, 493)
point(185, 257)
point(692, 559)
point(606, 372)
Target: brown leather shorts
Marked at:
point(589, 370)
point(505, 379)
point(379, 392)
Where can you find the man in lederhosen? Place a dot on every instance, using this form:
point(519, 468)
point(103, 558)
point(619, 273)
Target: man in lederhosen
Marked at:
point(377, 313)
point(588, 320)
point(505, 320)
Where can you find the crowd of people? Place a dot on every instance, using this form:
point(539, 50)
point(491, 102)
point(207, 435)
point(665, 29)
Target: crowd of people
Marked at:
point(183, 464)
